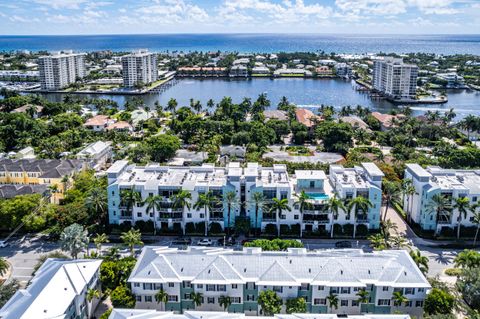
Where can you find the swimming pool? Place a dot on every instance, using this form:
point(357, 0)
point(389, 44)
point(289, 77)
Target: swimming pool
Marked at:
point(317, 196)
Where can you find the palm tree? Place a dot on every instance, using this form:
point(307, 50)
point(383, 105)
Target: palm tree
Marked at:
point(333, 301)
point(93, 294)
point(357, 205)
point(197, 298)
point(258, 199)
point(206, 201)
point(409, 191)
point(303, 203)
point(334, 205)
point(3, 266)
point(172, 105)
point(391, 193)
point(462, 205)
point(99, 240)
point(129, 197)
point(161, 297)
point(377, 242)
point(225, 301)
point(231, 199)
point(152, 203)
point(363, 297)
point(74, 239)
point(97, 202)
point(277, 207)
point(399, 298)
point(131, 238)
point(476, 221)
point(421, 261)
point(182, 199)
point(387, 227)
point(440, 206)
point(210, 104)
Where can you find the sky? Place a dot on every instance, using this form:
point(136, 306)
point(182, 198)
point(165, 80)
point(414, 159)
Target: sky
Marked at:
point(50, 17)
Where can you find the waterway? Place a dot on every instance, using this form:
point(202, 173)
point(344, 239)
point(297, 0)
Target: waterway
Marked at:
point(303, 92)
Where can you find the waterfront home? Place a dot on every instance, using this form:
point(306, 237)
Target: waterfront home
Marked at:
point(33, 110)
point(51, 172)
point(275, 114)
point(307, 118)
point(241, 61)
point(120, 126)
point(452, 80)
point(261, 71)
point(202, 71)
point(355, 122)
point(156, 314)
point(343, 70)
point(238, 71)
point(58, 290)
point(450, 184)
point(292, 73)
point(387, 121)
point(295, 273)
point(323, 70)
point(98, 123)
point(98, 154)
point(272, 182)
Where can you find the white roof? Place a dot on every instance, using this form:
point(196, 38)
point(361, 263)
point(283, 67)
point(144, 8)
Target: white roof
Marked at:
point(153, 314)
point(52, 290)
point(322, 267)
point(94, 148)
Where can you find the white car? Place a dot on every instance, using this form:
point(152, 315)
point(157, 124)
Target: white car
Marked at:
point(204, 242)
point(3, 244)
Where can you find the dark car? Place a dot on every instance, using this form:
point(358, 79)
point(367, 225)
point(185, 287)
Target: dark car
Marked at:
point(183, 241)
point(343, 244)
point(229, 242)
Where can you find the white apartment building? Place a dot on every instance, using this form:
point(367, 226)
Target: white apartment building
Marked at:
point(312, 275)
point(98, 154)
point(139, 68)
point(58, 290)
point(449, 183)
point(272, 182)
point(61, 69)
point(155, 314)
point(394, 78)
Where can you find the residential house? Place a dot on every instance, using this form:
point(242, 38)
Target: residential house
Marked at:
point(387, 121)
point(98, 123)
point(98, 154)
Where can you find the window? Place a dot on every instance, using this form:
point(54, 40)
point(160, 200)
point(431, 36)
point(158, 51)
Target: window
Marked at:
point(345, 290)
point(157, 286)
point(187, 284)
point(355, 303)
point(234, 286)
point(283, 216)
point(136, 284)
point(321, 287)
point(189, 215)
point(138, 298)
point(148, 298)
point(236, 300)
point(210, 300)
point(474, 198)
point(186, 297)
point(147, 286)
point(419, 303)
point(278, 289)
point(251, 286)
point(295, 216)
point(171, 284)
point(344, 303)
point(384, 302)
point(139, 214)
point(319, 301)
point(304, 287)
point(172, 298)
point(408, 303)
point(421, 289)
point(210, 287)
point(202, 215)
point(409, 291)
point(356, 288)
point(334, 290)
point(312, 184)
point(200, 286)
point(250, 297)
point(221, 288)
point(385, 288)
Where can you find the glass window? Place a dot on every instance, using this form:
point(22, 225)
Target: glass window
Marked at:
point(210, 300)
point(321, 287)
point(278, 289)
point(172, 298)
point(344, 303)
point(354, 303)
point(409, 291)
point(385, 288)
point(136, 284)
point(148, 298)
point(138, 298)
point(234, 286)
point(419, 303)
point(171, 284)
point(345, 290)
point(421, 289)
point(200, 286)
point(319, 301)
point(210, 287)
point(236, 300)
point(221, 288)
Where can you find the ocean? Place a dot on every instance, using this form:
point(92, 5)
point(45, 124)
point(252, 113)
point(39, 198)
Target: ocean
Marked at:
point(249, 43)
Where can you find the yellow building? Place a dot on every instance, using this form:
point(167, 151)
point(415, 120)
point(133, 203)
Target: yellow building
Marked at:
point(57, 174)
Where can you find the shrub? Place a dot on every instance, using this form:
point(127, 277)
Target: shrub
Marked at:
point(455, 272)
point(348, 229)
point(216, 228)
point(439, 302)
point(190, 228)
point(271, 229)
point(122, 297)
point(275, 244)
point(337, 230)
point(362, 230)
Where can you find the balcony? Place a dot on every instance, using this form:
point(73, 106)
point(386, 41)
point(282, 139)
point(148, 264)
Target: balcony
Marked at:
point(216, 218)
point(444, 220)
point(362, 219)
point(176, 217)
point(125, 217)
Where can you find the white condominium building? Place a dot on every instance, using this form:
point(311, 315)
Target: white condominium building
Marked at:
point(58, 290)
point(61, 69)
point(394, 78)
point(449, 183)
point(139, 68)
point(155, 314)
point(244, 182)
point(296, 273)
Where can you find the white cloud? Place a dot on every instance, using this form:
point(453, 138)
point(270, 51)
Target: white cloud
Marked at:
point(16, 18)
point(172, 11)
point(62, 4)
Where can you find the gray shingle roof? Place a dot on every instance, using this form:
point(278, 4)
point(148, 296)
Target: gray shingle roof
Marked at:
point(49, 168)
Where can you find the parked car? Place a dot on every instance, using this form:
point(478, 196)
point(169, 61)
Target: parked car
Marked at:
point(205, 242)
point(3, 244)
point(183, 241)
point(343, 244)
point(230, 241)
